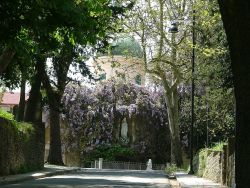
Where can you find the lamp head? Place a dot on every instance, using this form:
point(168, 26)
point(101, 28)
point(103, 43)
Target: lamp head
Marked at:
point(173, 28)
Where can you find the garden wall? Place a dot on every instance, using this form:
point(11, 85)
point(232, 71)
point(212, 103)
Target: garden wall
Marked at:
point(218, 166)
point(21, 147)
point(213, 168)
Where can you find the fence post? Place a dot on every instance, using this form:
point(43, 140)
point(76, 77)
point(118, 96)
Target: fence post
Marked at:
point(231, 162)
point(100, 163)
point(224, 164)
point(96, 164)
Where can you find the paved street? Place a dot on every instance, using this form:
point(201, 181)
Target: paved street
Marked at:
point(95, 178)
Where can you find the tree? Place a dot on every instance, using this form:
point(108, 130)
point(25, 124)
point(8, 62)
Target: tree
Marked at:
point(236, 19)
point(163, 54)
point(214, 100)
point(71, 47)
point(54, 27)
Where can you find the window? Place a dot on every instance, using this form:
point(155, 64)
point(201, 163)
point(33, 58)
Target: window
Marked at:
point(138, 79)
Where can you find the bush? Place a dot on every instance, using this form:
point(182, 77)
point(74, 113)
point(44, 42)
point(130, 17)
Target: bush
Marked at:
point(6, 115)
point(110, 153)
point(218, 146)
point(171, 169)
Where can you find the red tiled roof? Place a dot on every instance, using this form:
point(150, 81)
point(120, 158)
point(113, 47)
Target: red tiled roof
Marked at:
point(11, 98)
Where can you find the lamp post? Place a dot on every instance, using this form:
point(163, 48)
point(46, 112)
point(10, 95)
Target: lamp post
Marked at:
point(174, 29)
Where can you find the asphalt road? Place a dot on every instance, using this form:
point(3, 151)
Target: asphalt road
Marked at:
point(95, 178)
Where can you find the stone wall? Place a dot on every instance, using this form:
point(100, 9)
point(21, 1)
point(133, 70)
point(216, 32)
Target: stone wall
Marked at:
point(21, 148)
point(145, 135)
point(208, 164)
point(218, 166)
point(213, 165)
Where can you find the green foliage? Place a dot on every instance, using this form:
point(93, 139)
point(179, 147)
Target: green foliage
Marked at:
point(6, 115)
point(110, 153)
point(214, 95)
point(214, 117)
point(127, 46)
point(202, 158)
point(171, 169)
point(218, 146)
point(23, 127)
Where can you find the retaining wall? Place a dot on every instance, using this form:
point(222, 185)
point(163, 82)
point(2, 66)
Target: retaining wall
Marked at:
point(21, 148)
point(218, 166)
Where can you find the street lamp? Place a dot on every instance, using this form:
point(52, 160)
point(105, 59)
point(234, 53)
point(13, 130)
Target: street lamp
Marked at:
point(174, 29)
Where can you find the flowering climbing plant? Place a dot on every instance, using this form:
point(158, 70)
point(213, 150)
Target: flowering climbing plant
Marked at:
point(90, 113)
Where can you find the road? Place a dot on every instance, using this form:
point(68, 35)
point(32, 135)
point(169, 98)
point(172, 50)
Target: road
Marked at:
point(103, 178)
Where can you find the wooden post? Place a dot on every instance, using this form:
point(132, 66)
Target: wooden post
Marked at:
point(224, 164)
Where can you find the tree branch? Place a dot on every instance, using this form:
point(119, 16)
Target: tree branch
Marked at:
point(5, 58)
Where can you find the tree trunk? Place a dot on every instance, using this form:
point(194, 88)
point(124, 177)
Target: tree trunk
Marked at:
point(5, 58)
point(33, 108)
point(61, 67)
point(236, 19)
point(55, 151)
point(21, 108)
point(54, 100)
point(33, 114)
point(173, 121)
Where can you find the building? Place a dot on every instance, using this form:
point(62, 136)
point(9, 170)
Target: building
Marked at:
point(9, 100)
point(123, 61)
point(127, 69)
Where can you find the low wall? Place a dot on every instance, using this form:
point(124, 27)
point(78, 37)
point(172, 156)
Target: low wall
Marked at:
point(218, 166)
point(21, 147)
point(213, 168)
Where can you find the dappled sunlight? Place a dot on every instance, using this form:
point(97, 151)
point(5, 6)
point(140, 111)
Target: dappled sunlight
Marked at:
point(130, 179)
point(37, 174)
point(97, 178)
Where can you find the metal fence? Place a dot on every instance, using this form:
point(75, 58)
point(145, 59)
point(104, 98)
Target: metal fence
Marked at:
point(126, 165)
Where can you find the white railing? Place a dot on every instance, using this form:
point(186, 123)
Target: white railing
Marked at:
point(125, 165)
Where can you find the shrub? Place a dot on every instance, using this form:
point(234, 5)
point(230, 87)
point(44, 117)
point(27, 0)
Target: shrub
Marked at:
point(218, 146)
point(110, 153)
point(202, 161)
point(171, 169)
point(6, 115)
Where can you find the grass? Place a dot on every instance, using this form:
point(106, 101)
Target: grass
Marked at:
point(218, 146)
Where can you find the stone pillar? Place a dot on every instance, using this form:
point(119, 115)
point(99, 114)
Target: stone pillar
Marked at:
point(100, 163)
point(96, 164)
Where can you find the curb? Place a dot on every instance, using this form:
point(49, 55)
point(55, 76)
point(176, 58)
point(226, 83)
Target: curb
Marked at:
point(6, 181)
